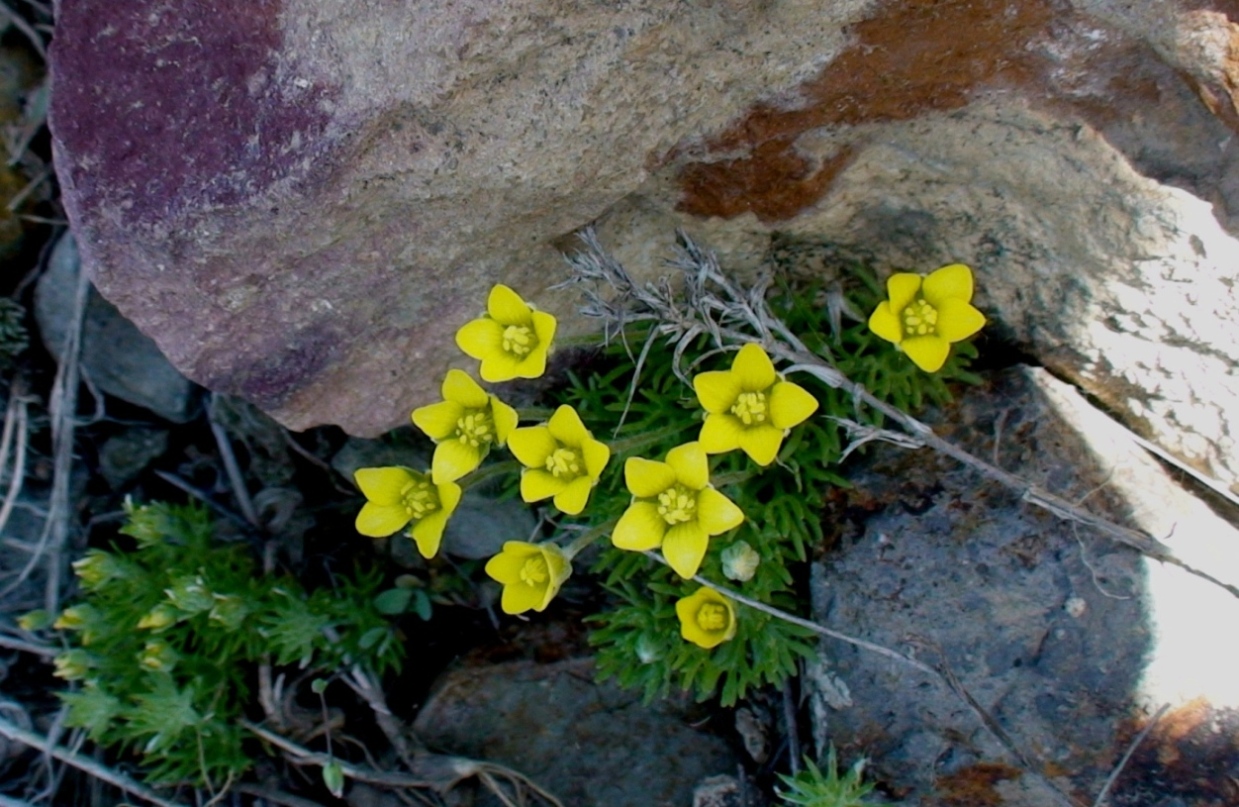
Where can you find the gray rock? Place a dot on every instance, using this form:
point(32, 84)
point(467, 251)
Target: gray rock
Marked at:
point(123, 456)
point(590, 744)
point(116, 357)
point(302, 211)
point(1065, 638)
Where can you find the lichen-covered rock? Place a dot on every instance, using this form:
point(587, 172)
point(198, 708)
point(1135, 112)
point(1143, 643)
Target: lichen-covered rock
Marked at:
point(1067, 640)
point(302, 209)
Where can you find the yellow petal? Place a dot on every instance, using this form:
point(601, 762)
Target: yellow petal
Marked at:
point(438, 421)
point(572, 499)
point(597, 455)
point(506, 306)
point(927, 352)
point(647, 478)
point(499, 366)
point(753, 369)
point(383, 485)
point(505, 419)
point(459, 388)
point(427, 533)
point(949, 282)
point(533, 365)
point(957, 320)
point(452, 460)
point(721, 433)
point(544, 328)
point(566, 427)
point(558, 565)
point(640, 528)
point(885, 324)
point(690, 465)
point(449, 497)
point(381, 520)
point(716, 391)
point(532, 445)
point(716, 513)
point(684, 547)
point(480, 338)
point(761, 443)
point(537, 484)
point(902, 287)
point(790, 405)
point(506, 566)
point(520, 597)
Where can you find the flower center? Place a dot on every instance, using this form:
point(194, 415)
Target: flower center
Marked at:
point(750, 407)
point(419, 498)
point(919, 318)
point(475, 428)
point(518, 340)
point(712, 617)
point(534, 571)
point(564, 462)
point(677, 504)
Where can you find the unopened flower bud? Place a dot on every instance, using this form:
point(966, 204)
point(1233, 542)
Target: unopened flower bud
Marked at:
point(740, 561)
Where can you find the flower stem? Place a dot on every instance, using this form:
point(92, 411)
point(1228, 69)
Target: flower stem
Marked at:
point(639, 441)
point(539, 413)
point(483, 475)
point(588, 537)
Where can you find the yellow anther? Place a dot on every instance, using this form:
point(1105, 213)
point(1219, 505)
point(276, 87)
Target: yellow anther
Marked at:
point(476, 428)
point(518, 340)
point(534, 571)
point(677, 504)
point(920, 318)
point(750, 407)
point(564, 462)
point(420, 499)
point(712, 617)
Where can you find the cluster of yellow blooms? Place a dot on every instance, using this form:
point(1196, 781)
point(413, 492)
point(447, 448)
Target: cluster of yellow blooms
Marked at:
point(749, 407)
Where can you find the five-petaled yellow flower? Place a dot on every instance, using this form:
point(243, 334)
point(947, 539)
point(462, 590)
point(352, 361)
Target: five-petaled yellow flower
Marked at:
point(511, 340)
point(464, 425)
point(750, 406)
point(707, 618)
point(397, 496)
point(674, 507)
point(531, 575)
point(926, 314)
point(561, 459)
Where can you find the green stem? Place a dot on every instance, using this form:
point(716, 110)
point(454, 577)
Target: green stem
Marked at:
point(534, 413)
point(486, 474)
point(638, 441)
point(588, 537)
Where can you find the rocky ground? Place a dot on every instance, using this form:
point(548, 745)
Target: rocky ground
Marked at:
point(1056, 650)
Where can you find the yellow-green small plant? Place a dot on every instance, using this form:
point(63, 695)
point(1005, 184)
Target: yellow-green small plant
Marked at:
point(824, 787)
point(703, 470)
point(165, 638)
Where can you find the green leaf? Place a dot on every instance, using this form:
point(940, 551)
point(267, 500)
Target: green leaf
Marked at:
point(393, 601)
point(333, 778)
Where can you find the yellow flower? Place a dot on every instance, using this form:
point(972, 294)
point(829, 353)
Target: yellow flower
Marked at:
point(397, 496)
point(926, 314)
point(511, 340)
point(157, 656)
point(674, 507)
point(707, 618)
point(73, 665)
point(561, 459)
point(531, 575)
point(158, 618)
point(750, 406)
point(464, 425)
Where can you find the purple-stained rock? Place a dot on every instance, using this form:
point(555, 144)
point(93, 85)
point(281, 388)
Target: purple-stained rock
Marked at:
point(300, 201)
point(302, 209)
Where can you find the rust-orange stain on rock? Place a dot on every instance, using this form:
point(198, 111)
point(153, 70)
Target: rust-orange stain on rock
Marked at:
point(916, 57)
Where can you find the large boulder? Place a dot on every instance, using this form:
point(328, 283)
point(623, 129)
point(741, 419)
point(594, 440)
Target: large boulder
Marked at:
point(302, 209)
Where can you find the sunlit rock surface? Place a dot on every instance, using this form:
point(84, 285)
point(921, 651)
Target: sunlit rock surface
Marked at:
point(301, 210)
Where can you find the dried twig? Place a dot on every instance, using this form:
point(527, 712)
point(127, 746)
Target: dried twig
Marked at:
point(1131, 749)
point(20, 24)
point(84, 764)
point(233, 469)
point(15, 424)
point(712, 303)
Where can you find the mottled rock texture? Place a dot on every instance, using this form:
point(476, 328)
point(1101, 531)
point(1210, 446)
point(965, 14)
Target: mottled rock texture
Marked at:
point(1066, 639)
point(301, 209)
